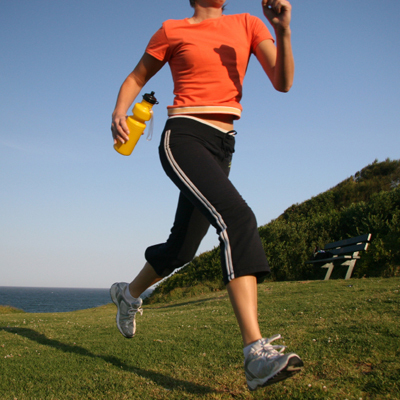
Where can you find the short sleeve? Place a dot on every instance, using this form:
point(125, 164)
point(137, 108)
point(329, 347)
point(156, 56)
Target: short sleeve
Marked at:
point(158, 46)
point(259, 32)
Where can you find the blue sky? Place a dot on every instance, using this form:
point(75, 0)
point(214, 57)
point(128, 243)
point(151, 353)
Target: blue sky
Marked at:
point(74, 213)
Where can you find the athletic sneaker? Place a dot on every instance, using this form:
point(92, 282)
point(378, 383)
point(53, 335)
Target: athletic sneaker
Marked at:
point(126, 309)
point(265, 365)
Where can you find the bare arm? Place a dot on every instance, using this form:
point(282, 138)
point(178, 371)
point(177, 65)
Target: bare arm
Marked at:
point(147, 67)
point(278, 62)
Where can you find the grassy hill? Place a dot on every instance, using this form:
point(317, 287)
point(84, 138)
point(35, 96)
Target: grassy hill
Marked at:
point(345, 331)
point(367, 202)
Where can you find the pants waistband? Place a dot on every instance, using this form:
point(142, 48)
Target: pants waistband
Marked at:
point(231, 132)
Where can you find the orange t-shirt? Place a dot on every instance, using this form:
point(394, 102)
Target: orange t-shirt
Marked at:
point(208, 61)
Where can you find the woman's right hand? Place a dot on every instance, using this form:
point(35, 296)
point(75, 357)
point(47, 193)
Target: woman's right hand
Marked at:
point(119, 128)
point(133, 84)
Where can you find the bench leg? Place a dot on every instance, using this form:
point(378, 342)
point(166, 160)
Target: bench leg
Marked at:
point(351, 265)
point(328, 273)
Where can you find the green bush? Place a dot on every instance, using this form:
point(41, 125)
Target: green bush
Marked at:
point(369, 202)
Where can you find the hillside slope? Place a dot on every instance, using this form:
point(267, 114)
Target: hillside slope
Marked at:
point(368, 202)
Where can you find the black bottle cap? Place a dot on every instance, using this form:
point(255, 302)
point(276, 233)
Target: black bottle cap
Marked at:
point(149, 97)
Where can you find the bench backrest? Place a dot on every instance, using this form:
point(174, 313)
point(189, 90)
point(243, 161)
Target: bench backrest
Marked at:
point(350, 245)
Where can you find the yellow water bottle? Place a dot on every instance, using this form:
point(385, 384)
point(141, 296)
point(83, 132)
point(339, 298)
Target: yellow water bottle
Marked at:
point(136, 123)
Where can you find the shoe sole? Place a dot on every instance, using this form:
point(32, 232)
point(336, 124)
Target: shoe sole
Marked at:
point(292, 367)
point(113, 296)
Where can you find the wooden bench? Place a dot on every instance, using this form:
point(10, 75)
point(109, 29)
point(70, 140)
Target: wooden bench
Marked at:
point(344, 252)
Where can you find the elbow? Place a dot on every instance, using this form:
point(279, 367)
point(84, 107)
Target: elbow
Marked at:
point(283, 82)
point(284, 88)
point(138, 80)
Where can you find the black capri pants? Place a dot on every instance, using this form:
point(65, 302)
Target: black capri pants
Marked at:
point(197, 158)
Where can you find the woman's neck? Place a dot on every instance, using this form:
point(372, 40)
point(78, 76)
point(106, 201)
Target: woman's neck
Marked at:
point(202, 13)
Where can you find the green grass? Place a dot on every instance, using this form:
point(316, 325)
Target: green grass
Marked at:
point(10, 310)
point(347, 333)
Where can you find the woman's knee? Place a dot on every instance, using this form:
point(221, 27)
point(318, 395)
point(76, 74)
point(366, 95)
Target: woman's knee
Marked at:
point(165, 263)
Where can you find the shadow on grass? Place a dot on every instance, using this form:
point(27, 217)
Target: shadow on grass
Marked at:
point(162, 380)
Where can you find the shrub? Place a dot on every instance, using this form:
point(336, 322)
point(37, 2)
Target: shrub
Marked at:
point(369, 202)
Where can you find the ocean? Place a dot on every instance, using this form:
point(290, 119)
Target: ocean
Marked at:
point(50, 300)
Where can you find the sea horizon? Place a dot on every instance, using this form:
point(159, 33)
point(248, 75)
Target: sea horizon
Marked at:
point(34, 299)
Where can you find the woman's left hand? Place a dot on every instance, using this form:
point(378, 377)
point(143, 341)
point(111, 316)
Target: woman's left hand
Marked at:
point(278, 13)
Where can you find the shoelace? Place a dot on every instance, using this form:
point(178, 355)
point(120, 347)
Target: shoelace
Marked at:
point(133, 310)
point(268, 350)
